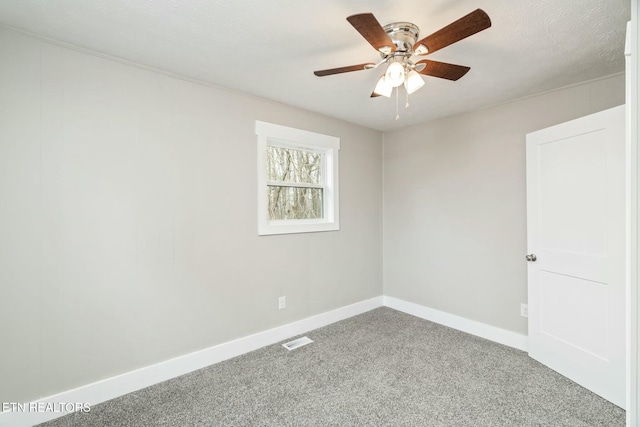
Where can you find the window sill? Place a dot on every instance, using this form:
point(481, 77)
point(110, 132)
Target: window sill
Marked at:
point(269, 228)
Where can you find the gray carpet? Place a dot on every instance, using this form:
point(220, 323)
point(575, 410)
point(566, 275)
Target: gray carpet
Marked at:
point(381, 368)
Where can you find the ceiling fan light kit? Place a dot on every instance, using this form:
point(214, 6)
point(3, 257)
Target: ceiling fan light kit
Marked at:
point(398, 43)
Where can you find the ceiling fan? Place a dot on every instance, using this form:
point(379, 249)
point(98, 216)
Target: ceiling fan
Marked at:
point(398, 43)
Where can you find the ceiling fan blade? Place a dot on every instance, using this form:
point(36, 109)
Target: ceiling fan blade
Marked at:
point(359, 67)
point(374, 95)
point(442, 69)
point(464, 27)
point(369, 27)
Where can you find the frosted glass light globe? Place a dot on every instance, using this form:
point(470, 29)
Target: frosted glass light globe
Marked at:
point(395, 74)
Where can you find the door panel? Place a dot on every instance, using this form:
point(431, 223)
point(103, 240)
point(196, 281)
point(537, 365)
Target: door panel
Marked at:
point(573, 166)
point(586, 328)
point(575, 226)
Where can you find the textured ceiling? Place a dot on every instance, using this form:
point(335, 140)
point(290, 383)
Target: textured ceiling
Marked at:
point(271, 48)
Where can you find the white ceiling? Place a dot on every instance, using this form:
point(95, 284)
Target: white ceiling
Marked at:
point(271, 48)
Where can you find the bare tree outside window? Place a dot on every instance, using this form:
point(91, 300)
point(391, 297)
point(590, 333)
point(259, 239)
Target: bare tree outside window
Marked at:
point(295, 183)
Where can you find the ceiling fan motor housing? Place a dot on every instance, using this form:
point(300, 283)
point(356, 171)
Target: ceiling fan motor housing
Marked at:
point(404, 36)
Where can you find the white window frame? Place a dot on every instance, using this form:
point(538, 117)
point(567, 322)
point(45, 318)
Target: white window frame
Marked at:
point(270, 134)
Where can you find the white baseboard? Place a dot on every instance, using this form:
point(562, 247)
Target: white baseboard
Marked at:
point(502, 336)
point(119, 385)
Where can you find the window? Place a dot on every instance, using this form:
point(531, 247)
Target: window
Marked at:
point(297, 180)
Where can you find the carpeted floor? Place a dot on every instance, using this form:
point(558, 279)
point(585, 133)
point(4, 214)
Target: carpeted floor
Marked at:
point(381, 368)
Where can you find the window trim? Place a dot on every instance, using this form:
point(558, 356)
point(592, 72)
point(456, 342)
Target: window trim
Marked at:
point(286, 137)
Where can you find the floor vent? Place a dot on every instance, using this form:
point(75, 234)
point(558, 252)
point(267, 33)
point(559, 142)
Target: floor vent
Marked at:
point(292, 345)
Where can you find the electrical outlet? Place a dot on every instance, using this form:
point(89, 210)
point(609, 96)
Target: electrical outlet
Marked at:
point(282, 303)
point(524, 310)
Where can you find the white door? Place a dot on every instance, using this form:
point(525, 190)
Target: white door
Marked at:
point(575, 230)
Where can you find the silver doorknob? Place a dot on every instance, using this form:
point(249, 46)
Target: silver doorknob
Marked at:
point(532, 257)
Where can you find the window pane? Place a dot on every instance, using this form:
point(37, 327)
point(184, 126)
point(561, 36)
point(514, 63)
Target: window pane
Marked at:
point(296, 166)
point(294, 203)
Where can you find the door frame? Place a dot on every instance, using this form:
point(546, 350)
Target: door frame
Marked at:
point(633, 224)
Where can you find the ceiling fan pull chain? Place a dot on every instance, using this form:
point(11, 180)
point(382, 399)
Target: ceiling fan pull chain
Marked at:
point(397, 101)
point(407, 104)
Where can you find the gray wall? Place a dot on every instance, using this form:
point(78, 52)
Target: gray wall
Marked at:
point(128, 231)
point(455, 204)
